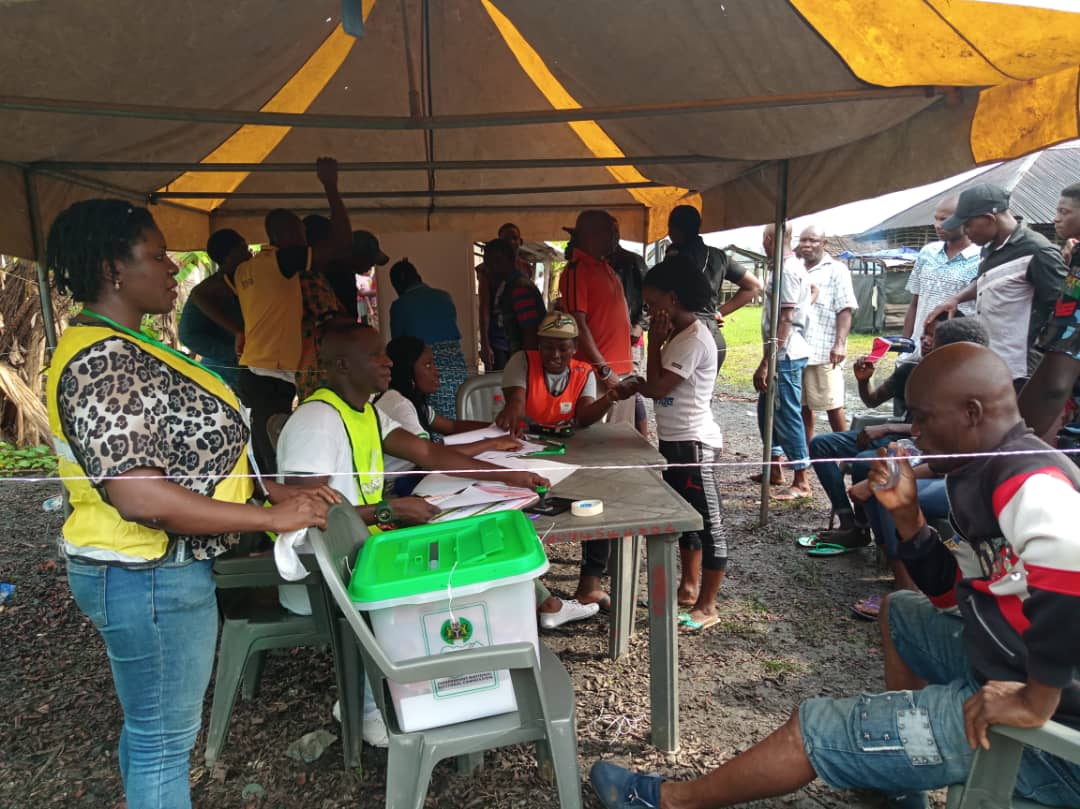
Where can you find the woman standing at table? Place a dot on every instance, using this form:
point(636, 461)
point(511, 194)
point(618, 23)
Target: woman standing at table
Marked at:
point(152, 449)
point(680, 379)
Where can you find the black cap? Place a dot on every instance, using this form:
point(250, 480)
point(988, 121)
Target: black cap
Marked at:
point(364, 243)
point(978, 200)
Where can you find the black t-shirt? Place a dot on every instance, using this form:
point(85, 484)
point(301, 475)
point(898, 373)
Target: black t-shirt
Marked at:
point(630, 267)
point(716, 265)
point(898, 382)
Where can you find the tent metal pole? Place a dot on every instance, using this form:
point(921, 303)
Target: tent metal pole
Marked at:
point(467, 121)
point(780, 222)
point(410, 68)
point(645, 225)
point(450, 192)
point(400, 165)
point(411, 209)
point(100, 185)
point(38, 239)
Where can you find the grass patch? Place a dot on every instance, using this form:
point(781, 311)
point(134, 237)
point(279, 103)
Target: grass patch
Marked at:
point(780, 668)
point(742, 332)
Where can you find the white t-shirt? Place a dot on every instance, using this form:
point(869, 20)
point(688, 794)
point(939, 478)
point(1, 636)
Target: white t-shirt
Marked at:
point(686, 413)
point(397, 408)
point(314, 441)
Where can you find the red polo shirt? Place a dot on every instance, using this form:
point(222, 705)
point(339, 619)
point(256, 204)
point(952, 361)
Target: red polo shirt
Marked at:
point(590, 286)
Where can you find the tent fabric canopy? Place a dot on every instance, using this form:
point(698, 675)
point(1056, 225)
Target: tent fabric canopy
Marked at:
point(940, 89)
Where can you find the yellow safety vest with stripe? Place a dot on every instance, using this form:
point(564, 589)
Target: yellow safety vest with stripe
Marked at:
point(365, 439)
point(94, 523)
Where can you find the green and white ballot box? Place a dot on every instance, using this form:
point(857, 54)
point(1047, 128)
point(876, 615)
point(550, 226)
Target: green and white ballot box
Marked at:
point(438, 589)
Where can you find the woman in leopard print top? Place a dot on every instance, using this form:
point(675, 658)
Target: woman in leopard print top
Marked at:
point(152, 448)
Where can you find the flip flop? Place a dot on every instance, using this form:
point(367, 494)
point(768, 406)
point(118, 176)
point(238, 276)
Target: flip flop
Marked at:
point(690, 626)
point(807, 541)
point(867, 608)
point(825, 549)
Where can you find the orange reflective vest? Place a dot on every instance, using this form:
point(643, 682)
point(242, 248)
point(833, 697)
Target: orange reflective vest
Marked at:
point(541, 405)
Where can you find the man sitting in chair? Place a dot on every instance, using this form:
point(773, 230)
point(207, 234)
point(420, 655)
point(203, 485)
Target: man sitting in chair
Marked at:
point(549, 389)
point(1009, 657)
point(336, 437)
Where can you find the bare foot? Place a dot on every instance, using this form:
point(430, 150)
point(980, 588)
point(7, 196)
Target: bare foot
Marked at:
point(687, 596)
point(594, 597)
point(793, 493)
point(774, 480)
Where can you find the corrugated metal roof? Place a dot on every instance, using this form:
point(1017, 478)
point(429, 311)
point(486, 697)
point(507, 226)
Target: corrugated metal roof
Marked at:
point(1035, 183)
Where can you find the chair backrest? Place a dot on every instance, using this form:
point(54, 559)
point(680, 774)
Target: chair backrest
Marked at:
point(871, 418)
point(479, 398)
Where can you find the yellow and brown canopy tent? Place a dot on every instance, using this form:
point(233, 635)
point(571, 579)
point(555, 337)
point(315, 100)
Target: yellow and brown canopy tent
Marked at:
point(453, 115)
point(457, 115)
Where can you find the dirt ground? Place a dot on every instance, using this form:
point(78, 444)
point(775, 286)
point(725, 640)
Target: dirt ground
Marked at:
point(786, 634)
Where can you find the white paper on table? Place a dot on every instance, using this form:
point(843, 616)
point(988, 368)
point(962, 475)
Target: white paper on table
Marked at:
point(490, 431)
point(555, 471)
point(438, 491)
point(437, 484)
point(484, 508)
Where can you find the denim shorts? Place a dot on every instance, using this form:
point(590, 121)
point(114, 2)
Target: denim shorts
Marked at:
point(901, 741)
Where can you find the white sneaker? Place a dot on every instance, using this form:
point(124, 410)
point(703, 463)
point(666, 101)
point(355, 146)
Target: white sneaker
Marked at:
point(571, 610)
point(373, 730)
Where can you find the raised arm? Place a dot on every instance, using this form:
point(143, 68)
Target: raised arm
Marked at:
point(340, 243)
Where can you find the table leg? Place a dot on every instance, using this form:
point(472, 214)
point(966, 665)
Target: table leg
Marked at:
point(638, 546)
point(663, 642)
point(622, 594)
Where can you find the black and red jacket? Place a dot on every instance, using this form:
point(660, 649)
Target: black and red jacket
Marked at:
point(1013, 566)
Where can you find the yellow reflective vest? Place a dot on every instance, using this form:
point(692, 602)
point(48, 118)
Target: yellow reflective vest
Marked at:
point(365, 439)
point(94, 523)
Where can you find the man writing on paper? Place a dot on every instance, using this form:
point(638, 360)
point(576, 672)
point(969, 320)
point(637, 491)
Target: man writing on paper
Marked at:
point(549, 388)
point(337, 437)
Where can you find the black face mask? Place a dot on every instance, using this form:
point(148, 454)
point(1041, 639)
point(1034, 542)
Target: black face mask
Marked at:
point(292, 260)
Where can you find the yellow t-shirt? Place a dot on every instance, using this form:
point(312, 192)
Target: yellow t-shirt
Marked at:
point(273, 311)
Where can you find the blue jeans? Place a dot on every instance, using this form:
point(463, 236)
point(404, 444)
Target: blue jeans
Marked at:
point(841, 445)
point(789, 435)
point(933, 501)
point(901, 741)
point(160, 630)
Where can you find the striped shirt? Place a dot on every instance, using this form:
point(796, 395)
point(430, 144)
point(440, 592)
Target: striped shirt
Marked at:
point(935, 279)
point(835, 294)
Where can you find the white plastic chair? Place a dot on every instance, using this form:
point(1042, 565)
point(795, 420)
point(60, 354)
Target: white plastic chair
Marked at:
point(479, 398)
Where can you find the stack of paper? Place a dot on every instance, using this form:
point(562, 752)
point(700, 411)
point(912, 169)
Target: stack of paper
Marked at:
point(460, 497)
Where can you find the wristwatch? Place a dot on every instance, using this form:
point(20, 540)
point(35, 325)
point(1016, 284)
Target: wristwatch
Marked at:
point(384, 515)
point(603, 371)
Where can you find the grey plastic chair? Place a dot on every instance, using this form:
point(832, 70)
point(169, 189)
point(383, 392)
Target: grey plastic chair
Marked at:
point(476, 397)
point(992, 776)
point(544, 693)
point(252, 626)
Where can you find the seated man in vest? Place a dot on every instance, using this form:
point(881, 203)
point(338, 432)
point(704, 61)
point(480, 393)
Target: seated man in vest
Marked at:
point(336, 437)
point(548, 388)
